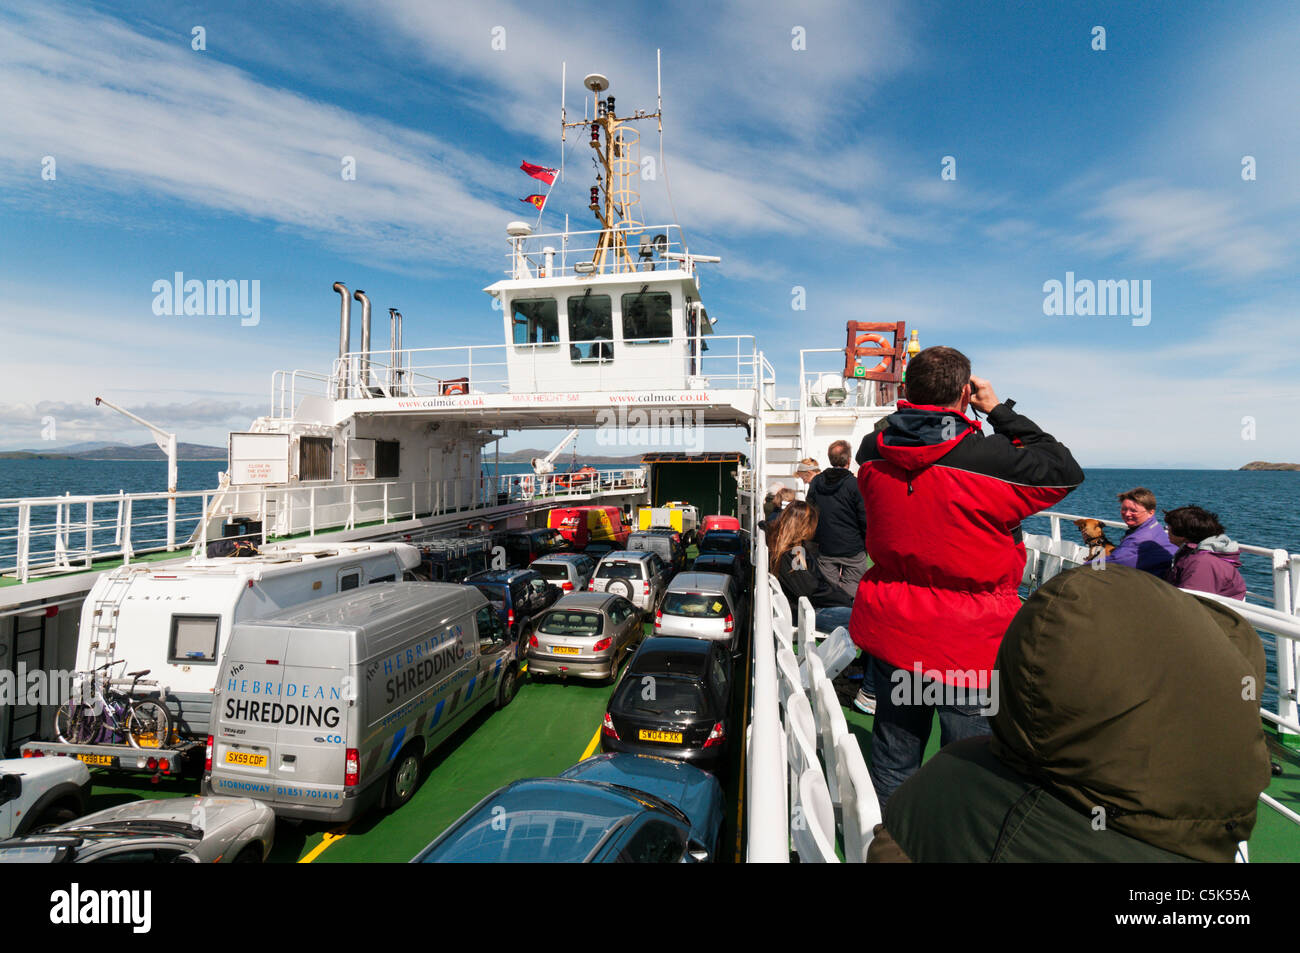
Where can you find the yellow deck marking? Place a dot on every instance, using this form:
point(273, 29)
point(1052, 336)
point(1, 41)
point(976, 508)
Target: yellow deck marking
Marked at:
point(591, 746)
point(331, 837)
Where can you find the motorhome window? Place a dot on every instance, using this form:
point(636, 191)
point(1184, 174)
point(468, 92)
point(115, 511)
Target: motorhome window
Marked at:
point(315, 458)
point(647, 317)
point(386, 459)
point(351, 580)
point(194, 639)
point(536, 321)
point(591, 328)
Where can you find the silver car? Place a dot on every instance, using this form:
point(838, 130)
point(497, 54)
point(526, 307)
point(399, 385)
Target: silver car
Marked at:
point(639, 577)
point(585, 635)
point(205, 830)
point(569, 572)
point(703, 605)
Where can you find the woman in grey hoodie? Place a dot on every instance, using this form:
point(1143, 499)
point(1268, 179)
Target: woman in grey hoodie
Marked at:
point(1207, 560)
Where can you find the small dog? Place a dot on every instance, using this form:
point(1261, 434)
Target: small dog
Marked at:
point(1094, 537)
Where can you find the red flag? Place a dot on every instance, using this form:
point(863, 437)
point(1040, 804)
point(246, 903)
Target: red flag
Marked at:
point(538, 200)
point(539, 172)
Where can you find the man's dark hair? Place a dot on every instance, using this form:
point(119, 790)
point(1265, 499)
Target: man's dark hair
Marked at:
point(1193, 523)
point(839, 453)
point(936, 376)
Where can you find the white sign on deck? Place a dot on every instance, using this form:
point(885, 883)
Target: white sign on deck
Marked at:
point(361, 459)
point(259, 458)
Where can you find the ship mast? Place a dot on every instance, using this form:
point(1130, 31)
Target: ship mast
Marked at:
point(615, 200)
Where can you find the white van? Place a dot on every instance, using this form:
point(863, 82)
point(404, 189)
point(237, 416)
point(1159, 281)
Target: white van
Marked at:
point(175, 620)
point(329, 708)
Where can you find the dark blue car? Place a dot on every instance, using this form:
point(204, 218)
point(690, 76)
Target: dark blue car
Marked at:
point(613, 808)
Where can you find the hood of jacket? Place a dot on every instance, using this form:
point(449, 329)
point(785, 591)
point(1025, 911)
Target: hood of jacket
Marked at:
point(917, 435)
point(1219, 545)
point(833, 477)
point(1121, 693)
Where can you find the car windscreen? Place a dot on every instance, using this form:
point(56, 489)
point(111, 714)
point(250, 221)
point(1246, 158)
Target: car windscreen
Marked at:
point(495, 594)
point(551, 571)
point(696, 605)
point(722, 543)
point(572, 623)
point(512, 830)
point(619, 570)
point(669, 696)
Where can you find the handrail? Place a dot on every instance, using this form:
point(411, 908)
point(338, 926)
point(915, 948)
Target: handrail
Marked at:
point(45, 537)
point(768, 839)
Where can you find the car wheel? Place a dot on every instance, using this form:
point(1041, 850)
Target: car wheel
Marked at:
point(404, 778)
point(509, 686)
point(53, 815)
point(252, 854)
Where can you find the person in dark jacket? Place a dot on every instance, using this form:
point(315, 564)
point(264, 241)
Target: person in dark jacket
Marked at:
point(1124, 731)
point(841, 521)
point(944, 505)
point(1207, 560)
point(793, 559)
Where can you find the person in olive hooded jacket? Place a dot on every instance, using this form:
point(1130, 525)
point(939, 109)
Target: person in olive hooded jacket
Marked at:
point(1127, 729)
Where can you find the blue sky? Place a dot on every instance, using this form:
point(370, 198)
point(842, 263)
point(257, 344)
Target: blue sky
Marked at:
point(817, 168)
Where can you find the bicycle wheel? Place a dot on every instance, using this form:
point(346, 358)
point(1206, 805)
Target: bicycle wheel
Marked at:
point(148, 725)
point(75, 724)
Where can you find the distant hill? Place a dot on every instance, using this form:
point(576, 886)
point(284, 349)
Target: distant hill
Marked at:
point(1261, 465)
point(111, 451)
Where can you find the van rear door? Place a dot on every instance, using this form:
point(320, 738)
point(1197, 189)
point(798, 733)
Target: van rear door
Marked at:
point(283, 715)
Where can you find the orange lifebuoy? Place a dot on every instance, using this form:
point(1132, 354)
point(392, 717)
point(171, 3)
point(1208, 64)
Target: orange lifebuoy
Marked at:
point(527, 484)
point(862, 339)
point(453, 387)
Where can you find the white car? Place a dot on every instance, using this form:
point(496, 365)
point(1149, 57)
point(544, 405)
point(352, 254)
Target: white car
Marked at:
point(37, 792)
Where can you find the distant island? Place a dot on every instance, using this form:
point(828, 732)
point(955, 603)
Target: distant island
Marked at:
point(147, 451)
point(1261, 465)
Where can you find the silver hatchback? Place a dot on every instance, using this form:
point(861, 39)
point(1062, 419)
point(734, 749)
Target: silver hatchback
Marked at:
point(703, 605)
point(585, 635)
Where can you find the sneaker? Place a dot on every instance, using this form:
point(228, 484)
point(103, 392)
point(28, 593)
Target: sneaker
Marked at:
point(865, 702)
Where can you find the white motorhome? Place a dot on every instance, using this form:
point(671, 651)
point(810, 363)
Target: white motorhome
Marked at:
point(328, 708)
point(175, 621)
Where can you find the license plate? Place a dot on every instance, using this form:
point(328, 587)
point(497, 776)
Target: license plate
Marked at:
point(102, 760)
point(563, 650)
point(671, 737)
point(246, 758)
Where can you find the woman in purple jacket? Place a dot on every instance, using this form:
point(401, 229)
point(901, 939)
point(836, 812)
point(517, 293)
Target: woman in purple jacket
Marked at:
point(1207, 559)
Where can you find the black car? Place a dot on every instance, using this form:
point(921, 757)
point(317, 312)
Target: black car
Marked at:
point(598, 551)
point(525, 545)
point(517, 595)
point(725, 541)
point(731, 564)
point(673, 701)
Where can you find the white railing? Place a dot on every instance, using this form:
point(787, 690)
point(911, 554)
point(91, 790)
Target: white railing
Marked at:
point(529, 256)
point(48, 536)
point(766, 814)
point(730, 362)
point(288, 387)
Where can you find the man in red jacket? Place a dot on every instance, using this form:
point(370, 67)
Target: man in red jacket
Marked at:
point(944, 504)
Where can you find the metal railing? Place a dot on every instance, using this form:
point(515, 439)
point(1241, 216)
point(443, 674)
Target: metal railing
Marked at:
point(554, 254)
point(49, 536)
point(730, 362)
point(288, 387)
point(766, 818)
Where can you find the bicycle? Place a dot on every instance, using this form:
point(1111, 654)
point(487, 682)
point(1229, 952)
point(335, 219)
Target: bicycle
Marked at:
point(112, 714)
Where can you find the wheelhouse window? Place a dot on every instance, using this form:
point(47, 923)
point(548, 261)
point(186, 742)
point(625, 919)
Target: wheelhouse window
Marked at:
point(315, 458)
point(387, 458)
point(591, 328)
point(647, 317)
point(194, 639)
point(536, 321)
